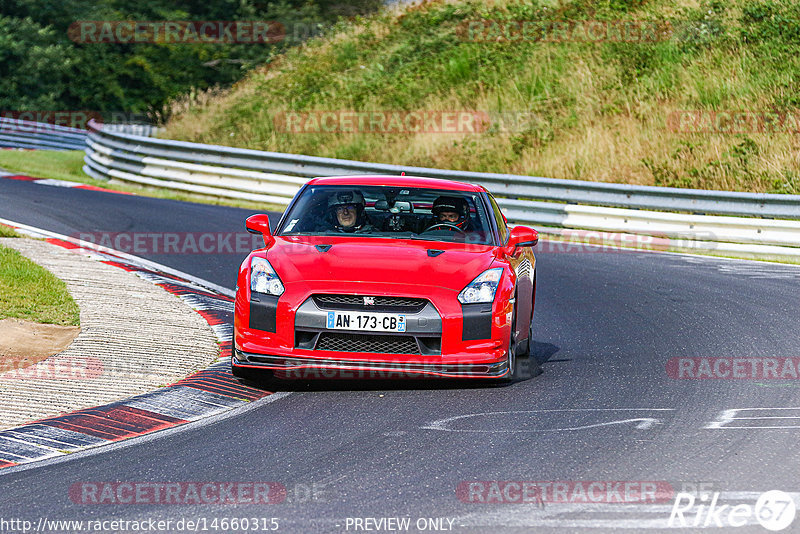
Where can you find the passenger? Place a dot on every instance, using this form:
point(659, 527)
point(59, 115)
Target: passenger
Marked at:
point(347, 212)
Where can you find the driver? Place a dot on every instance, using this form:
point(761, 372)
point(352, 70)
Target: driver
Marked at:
point(347, 212)
point(450, 213)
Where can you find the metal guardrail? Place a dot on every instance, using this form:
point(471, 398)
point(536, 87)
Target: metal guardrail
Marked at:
point(503, 185)
point(37, 135)
point(755, 220)
point(145, 130)
point(16, 133)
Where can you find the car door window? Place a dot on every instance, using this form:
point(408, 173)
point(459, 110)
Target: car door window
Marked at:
point(501, 222)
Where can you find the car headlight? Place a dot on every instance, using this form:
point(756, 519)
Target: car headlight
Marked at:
point(263, 278)
point(483, 288)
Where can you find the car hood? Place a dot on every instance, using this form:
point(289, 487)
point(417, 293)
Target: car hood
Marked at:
point(378, 260)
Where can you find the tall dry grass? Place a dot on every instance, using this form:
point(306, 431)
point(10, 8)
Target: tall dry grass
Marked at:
point(595, 111)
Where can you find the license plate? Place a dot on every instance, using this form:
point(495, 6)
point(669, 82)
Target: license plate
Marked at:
point(372, 322)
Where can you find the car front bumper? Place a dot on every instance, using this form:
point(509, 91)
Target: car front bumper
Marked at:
point(289, 367)
point(443, 338)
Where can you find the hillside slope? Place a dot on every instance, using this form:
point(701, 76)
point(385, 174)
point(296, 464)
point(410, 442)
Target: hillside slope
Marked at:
point(571, 98)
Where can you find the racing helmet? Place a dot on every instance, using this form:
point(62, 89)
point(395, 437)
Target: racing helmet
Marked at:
point(343, 198)
point(454, 204)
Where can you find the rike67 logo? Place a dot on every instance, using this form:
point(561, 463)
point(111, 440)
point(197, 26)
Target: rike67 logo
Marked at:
point(774, 510)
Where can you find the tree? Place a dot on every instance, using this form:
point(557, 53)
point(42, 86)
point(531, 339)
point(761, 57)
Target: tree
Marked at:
point(34, 66)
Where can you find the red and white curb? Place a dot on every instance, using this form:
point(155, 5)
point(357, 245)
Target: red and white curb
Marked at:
point(57, 183)
point(203, 394)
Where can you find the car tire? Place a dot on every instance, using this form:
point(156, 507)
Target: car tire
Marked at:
point(528, 366)
point(526, 350)
point(529, 343)
point(511, 355)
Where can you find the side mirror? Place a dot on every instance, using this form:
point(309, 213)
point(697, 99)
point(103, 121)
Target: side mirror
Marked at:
point(522, 236)
point(259, 224)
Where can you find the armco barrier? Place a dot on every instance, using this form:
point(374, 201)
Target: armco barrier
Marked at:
point(759, 224)
point(36, 135)
point(15, 133)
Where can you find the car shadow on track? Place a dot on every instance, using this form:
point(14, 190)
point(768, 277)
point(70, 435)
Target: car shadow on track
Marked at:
point(527, 369)
point(542, 352)
point(371, 384)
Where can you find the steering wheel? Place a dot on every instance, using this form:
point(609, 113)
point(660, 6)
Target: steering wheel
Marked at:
point(444, 225)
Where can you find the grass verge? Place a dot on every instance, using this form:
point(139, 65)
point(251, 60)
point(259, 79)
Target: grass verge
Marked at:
point(54, 164)
point(5, 231)
point(32, 293)
point(67, 165)
point(601, 110)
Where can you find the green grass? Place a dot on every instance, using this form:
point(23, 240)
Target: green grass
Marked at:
point(67, 165)
point(599, 110)
point(32, 293)
point(55, 164)
point(5, 231)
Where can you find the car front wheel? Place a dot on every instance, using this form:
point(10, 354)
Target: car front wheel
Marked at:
point(511, 356)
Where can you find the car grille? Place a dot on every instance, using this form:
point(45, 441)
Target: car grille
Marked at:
point(367, 343)
point(381, 303)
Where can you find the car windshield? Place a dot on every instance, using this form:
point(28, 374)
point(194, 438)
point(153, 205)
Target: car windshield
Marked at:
point(389, 212)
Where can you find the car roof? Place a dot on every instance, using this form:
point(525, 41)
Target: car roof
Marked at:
point(398, 181)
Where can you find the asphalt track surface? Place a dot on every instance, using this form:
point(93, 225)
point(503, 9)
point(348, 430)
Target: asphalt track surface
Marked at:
point(604, 409)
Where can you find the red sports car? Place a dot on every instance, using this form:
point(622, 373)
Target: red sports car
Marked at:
point(386, 276)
